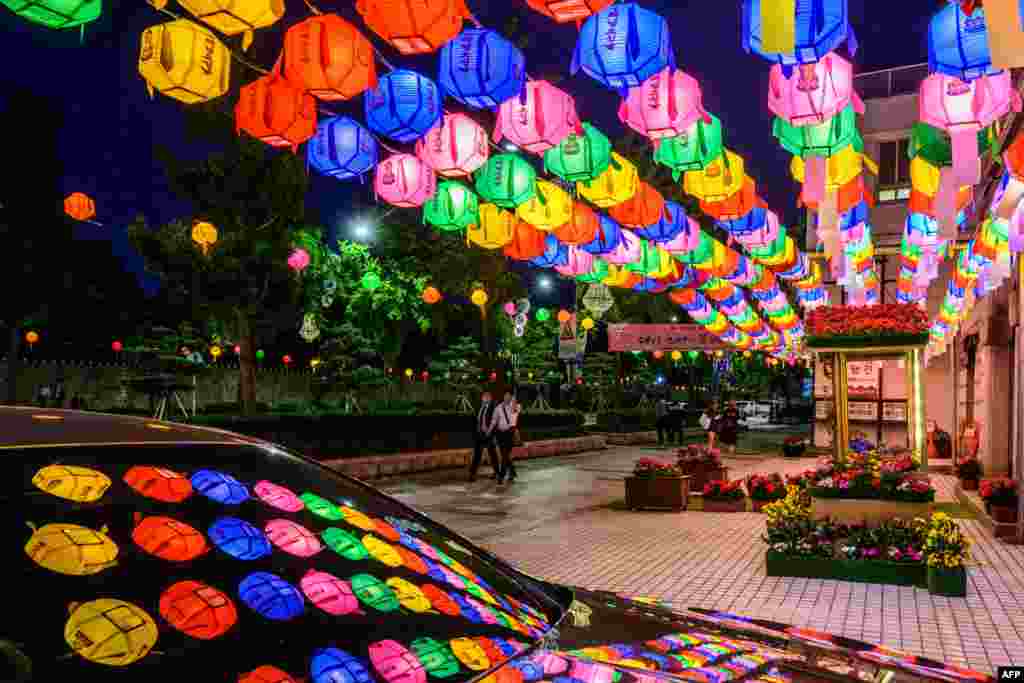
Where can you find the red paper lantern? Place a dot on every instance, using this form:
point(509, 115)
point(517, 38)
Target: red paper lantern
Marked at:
point(581, 228)
point(287, 360)
point(735, 206)
point(79, 206)
point(527, 242)
point(564, 11)
point(117, 347)
point(414, 26)
point(329, 58)
point(276, 111)
point(645, 208)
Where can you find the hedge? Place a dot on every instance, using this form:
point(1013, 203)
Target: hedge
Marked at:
point(627, 421)
point(858, 571)
point(333, 436)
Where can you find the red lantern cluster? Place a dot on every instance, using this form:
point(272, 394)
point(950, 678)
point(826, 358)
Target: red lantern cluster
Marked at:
point(329, 58)
point(276, 111)
point(581, 228)
point(414, 26)
point(645, 208)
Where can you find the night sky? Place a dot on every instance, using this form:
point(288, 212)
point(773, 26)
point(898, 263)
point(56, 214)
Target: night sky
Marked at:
point(110, 124)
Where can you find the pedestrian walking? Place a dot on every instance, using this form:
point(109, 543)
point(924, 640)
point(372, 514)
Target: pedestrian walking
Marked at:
point(729, 426)
point(661, 421)
point(505, 426)
point(709, 421)
point(483, 437)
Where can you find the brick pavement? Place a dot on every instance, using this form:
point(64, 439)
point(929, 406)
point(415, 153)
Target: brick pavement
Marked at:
point(557, 525)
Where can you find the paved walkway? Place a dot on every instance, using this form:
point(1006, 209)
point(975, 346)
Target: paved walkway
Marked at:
point(560, 522)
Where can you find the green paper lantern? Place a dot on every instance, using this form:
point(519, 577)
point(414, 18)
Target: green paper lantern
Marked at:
point(693, 150)
point(543, 315)
point(701, 254)
point(596, 275)
point(823, 139)
point(371, 281)
point(260, 355)
point(933, 144)
point(56, 13)
point(694, 355)
point(507, 180)
point(649, 261)
point(453, 208)
point(579, 158)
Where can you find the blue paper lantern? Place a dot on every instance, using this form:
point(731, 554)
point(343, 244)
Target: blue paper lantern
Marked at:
point(434, 571)
point(342, 148)
point(958, 43)
point(331, 665)
point(271, 596)
point(650, 286)
point(555, 254)
point(623, 45)
point(608, 238)
point(220, 487)
point(482, 69)
point(506, 647)
point(753, 221)
point(239, 539)
point(821, 27)
point(672, 224)
point(858, 213)
point(468, 611)
point(530, 670)
point(403, 106)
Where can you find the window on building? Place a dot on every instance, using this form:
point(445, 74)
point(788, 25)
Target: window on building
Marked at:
point(894, 171)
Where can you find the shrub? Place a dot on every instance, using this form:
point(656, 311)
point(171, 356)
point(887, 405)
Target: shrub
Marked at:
point(766, 487)
point(999, 492)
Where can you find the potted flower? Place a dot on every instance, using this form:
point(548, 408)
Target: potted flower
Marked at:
point(657, 485)
point(969, 471)
point(1000, 496)
point(946, 549)
point(702, 464)
point(794, 446)
point(724, 496)
point(765, 489)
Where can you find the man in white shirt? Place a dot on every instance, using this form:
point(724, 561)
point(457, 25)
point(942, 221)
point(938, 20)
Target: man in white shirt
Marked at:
point(503, 425)
point(483, 437)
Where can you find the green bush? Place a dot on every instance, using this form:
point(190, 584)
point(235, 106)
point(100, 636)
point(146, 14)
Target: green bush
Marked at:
point(627, 421)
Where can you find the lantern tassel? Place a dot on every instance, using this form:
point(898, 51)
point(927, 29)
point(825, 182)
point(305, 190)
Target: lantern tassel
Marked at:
point(966, 165)
point(814, 178)
point(945, 204)
point(247, 38)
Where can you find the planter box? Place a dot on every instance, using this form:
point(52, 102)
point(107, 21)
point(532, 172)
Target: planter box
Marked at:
point(871, 511)
point(699, 476)
point(1005, 514)
point(725, 505)
point(858, 571)
point(949, 582)
point(657, 493)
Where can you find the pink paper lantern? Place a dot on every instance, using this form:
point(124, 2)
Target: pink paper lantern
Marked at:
point(395, 663)
point(814, 92)
point(628, 251)
point(292, 538)
point(538, 119)
point(963, 109)
point(686, 241)
point(665, 105)
point(298, 260)
point(329, 593)
point(455, 147)
point(405, 180)
point(278, 496)
point(579, 263)
point(766, 234)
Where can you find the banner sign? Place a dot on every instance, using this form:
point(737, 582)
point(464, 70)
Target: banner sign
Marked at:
point(662, 338)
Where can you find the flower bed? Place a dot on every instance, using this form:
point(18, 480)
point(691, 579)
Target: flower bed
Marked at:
point(724, 496)
point(701, 464)
point(656, 485)
point(866, 488)
point(764, 490)
point(863, 326)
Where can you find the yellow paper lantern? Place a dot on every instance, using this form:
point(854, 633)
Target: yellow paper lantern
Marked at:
point(924, 177)
point(617, 276)
point(495, 229)
point(616, 185)
point(666, 264)
point(721, 179)
point(204, 234)
point(408, 372)
point(588, 324)
point(185, 61)
point(550, 208)
point(843, 167)
point(677, 355)
point(216, 351)
point(232, 17)
point(31, 337)
point(479, 297)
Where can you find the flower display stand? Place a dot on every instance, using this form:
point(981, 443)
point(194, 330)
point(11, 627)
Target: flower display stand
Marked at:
point(725, 505)
point(866, 510)
point(951, 582)
point(858, 571)
point(657, 493)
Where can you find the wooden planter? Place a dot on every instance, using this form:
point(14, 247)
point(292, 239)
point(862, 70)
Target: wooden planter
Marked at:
point(858, 571)
point(657, 493)
point(969, 484)
point(951, 582)
point(725, 505)
point(700, 475)
point(1005, 514)
point(867, 510)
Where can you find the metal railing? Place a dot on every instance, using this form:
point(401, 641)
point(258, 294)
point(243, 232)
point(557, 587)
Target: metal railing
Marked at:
point(899, 80)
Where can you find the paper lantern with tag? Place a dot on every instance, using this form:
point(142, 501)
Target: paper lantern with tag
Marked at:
point(56, 14)
point(495, 228)
point(537, 119)
point(814, 93)
point(722, 178)
point(672, 222)
point(403, 106)
point(456, 147)
point(481, 68)
point(564, 11)
point(548, 209)
point(581, 156)
point(527, 242)
point(185, 61)
point(329, 58)
point(555, 254)
point(507, 180)
point(934, 143)
point(275, 111)
point(840, 169)
point(665, 105)
point(607, 238)
point(414, 26)
point(578, 263)
point(623, 45)
point(404, 180)
point(693, 149)
point(617, 184)
point(232, 17)
point(819, 139)
point(736, 205)
point(342, 148)
point(645, 208)
point(453, 208)
point(581, 227)
point(958, 42)
point(628, 251)
point(686, 241)
point(819, 27)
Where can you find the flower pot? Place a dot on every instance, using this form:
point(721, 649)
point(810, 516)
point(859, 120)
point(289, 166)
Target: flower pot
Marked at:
point(948, 581)
point(657, 493)
point(725, 505)
point(793, 450)
point(969, 484)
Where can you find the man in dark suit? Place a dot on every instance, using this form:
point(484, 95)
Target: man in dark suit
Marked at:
point(483, 436)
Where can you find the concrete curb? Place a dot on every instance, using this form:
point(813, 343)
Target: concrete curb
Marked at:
point(381, 466)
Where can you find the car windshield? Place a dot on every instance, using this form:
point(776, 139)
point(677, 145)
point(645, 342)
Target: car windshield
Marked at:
point(211, 561)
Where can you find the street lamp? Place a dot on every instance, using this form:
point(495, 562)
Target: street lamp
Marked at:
point(545, 283)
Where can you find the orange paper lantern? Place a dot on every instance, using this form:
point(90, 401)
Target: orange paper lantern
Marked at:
point(431, 295)
point(414, 26)
point(527, 242)
point(276, 111)
point(79, 206)
point(736, 205)
point(564, 316)
point(564, 11)
point(581, 228)
point(849, 195)
point(682, 297)
point(645, 208)
point(922, 203)
point(329, 58)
